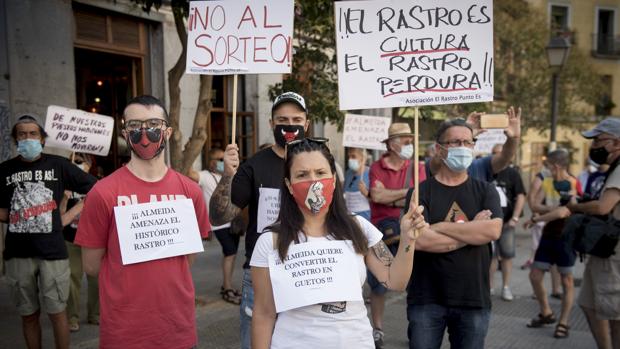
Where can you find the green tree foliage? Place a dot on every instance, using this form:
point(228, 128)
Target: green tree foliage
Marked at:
point(314, 61)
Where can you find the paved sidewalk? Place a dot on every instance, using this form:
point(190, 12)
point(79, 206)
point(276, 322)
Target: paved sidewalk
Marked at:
point(218, 321)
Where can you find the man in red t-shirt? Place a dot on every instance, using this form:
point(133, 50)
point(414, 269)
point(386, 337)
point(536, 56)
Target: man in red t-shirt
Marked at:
point(148, 304)
point(387, 198)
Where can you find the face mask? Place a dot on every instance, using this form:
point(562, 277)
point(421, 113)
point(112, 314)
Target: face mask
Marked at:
point(219, 166)
point(459, 158)
point(354, 165)
point(406, 152)
point(29, 149)
point(81, 166)
point(599, 155)
point(314, 196)
point(147, 143)
point(286, 133)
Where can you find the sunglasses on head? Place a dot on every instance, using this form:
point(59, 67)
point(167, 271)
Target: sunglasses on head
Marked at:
point(316, 140)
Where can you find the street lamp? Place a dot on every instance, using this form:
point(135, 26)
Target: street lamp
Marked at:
point(557, 53)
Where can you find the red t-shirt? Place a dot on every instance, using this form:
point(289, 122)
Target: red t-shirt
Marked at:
point(391, 179)
point(149, 304)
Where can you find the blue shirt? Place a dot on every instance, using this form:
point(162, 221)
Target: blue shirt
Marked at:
point(351, 180)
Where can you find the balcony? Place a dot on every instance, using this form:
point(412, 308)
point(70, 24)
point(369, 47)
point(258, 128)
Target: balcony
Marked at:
point(606, 46)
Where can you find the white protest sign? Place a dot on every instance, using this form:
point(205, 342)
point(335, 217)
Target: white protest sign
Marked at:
point(394, 53)
point(356, 202)
point(240, 37)
point(157, 230)
point(315, 272)
point(78, 131)
point(485, 141)
point(363, 131)
point(268, 208)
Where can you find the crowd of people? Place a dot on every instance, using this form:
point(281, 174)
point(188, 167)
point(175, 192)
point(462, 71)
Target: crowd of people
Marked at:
point(441, 245)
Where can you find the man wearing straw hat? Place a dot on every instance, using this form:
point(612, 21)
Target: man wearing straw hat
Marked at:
point(390, 178)
point(36, 257)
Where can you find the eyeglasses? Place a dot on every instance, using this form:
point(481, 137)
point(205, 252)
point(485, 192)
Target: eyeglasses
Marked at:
point(295, 143)
point(458, 143)
point(149, 123)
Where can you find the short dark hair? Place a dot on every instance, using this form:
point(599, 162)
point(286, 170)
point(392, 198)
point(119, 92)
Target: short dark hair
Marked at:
point(559, 157)
point(212, 152)
point(27, 119)
point(147, 101)
point(444, 126)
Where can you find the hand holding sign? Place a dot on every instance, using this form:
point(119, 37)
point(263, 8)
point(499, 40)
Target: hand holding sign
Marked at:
point(231, 159)
point(412, 222)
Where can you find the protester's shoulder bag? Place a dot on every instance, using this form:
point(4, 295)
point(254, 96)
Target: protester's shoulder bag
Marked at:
point(593, 235)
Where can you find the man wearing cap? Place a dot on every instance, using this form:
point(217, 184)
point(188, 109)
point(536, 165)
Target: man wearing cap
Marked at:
point(600, 292)
point(390, 178)
point(256, 183)
point(32, 185)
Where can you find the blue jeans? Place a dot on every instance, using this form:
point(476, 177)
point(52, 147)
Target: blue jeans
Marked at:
point(467, 327)
point(245, 309)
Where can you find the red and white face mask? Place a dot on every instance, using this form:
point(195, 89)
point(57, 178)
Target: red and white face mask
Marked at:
point(314, 196)
point(146, 142)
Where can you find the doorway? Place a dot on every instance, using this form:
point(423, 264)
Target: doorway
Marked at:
point(104, 84)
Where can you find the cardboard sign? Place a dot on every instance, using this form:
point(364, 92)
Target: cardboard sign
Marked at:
point(240, 37)
point(363, 131)
point(157, 230)
point(78, 131)
point(394, 53)
point(268, 208)
point(315, 272)
point(485, 141)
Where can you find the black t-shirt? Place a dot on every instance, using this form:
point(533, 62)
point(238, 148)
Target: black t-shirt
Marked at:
point(458, 278)
point(70, 229)
point(31, 191)
point(263, 170)
point(509, 181)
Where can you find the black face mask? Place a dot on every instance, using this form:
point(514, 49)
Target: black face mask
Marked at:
point(599, 155)
point(287, 133)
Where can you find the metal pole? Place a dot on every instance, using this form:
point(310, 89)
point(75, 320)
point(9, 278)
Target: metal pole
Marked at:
point(554, 110)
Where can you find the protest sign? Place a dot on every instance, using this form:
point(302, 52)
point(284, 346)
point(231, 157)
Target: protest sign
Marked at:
point(367, 132)
point(315, 272)
point(394, 53)
point(240, 37)
point(485, 141)
point(78, 131)
point(157, 230)
point(268, 207)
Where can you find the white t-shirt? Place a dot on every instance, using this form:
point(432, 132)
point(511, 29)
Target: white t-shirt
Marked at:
point(207, 182)
point(328, 325)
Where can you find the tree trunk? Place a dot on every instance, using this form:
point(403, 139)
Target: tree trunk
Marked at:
point(174, 79)
point(194, 145)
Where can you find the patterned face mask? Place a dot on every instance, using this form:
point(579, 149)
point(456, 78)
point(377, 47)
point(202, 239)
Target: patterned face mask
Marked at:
point(314, 196)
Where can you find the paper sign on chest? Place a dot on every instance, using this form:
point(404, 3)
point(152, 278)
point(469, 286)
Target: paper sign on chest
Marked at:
point(157, 230)
point(315, 272)
point(394, 53)
point(240, 37)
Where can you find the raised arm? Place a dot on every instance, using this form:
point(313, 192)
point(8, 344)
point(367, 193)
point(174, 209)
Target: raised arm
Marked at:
point(221, 208)
point(513, 133)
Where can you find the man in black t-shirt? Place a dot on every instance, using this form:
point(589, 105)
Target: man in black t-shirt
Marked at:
point(31, 187)
point(449, 286)
point(512, 199)
point(256, 183)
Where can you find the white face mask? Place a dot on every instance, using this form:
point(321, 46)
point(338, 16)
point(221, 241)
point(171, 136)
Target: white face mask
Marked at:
point(354, 164)
point(406, 152)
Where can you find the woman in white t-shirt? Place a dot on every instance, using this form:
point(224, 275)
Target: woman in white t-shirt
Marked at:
point(313, 213)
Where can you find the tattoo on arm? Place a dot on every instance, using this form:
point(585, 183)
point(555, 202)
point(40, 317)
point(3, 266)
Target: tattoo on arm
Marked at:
point(407, 248)
point(221, 209)
point(383, 254)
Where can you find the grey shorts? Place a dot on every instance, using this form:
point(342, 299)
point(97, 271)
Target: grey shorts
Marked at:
point(28, 276)
point(505, 245)
point(600, 290)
